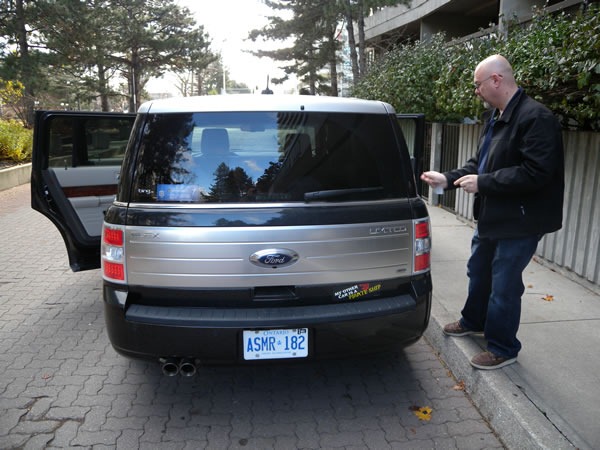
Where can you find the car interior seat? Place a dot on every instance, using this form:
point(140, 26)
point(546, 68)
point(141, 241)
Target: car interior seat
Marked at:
point(214, 142)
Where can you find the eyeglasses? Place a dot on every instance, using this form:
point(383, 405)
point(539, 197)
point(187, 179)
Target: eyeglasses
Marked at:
point(478, 84)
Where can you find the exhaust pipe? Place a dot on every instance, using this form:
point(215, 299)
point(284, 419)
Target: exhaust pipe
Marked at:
point(187, 368)
point(170, 366)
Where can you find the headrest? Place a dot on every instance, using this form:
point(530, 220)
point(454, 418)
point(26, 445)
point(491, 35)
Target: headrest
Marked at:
point(214, 141)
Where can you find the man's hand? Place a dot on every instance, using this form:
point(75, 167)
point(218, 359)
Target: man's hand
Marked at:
point(468, 183)
point(434, 179)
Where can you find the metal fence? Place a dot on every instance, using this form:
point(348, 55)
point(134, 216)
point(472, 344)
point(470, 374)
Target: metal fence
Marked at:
point(576, 246)
point(449, 160)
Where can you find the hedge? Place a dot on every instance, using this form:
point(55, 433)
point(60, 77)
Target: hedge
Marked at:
point(555, 57)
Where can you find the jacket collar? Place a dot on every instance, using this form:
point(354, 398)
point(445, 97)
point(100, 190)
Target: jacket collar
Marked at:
point(512, 104)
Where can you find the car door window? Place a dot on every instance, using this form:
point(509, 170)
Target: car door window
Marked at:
point(73, 142)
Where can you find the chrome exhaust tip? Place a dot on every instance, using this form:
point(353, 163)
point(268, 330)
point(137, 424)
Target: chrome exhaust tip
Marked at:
point(187, 368)
point(170, 366)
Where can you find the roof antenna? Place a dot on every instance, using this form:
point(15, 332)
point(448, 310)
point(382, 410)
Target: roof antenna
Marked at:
point(267, 90)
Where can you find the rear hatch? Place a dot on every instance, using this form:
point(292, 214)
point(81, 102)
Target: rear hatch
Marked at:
point(293, 206)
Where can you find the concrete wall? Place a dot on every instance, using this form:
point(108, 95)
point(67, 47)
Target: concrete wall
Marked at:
point(14, 176)
point(389, 19)
point(454, 26)
point(511, 9)
point(457, 18)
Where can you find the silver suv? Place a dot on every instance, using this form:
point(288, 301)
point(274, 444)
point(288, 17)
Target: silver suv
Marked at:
point(243, 228)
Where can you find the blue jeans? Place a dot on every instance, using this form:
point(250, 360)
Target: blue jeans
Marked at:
point(493, 304)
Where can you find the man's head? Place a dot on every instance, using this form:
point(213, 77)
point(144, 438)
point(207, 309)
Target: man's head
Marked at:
point(494, 81)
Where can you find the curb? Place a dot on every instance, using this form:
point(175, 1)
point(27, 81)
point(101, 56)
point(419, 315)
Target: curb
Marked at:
point(512, 415)
point(15, 176)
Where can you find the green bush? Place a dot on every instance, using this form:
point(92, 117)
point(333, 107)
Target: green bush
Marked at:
point(15, 141)
point(556, 58)
point(557, 61)
point(405, 77)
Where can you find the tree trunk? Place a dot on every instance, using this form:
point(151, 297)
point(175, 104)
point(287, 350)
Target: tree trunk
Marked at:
point(26, 114)
point(131, 90)
point(200, 83)
point(103, 85)
point(312, 76)
point(362, 61)
point(352, 42)
point(134, 83)
point(333, 65)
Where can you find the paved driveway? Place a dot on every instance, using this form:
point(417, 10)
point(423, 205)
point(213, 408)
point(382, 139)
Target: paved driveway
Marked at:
point(62, 384)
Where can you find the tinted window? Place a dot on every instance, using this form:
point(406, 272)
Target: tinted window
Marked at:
point(87, 141)
point(266, 157)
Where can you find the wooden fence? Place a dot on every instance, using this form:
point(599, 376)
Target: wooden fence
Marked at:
point(576, 247)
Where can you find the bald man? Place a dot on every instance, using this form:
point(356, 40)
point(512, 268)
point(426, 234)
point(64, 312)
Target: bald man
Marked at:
point(517, 176)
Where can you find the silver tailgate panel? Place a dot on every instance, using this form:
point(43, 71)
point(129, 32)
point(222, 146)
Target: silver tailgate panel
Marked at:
point(219, 257)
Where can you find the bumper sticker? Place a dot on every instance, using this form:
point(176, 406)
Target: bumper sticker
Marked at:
point(356, 291)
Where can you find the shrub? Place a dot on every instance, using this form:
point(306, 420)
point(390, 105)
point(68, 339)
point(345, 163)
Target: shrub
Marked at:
point(556, 58)
point(15, 141)
point(557, 61)
point(406, 77)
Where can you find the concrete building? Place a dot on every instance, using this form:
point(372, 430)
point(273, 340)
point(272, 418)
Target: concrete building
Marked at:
point(456, 18)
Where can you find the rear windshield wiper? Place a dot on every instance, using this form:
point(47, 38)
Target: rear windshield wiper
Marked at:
point(369, 193)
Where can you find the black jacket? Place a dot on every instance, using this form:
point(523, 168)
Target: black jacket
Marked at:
point(521, 191)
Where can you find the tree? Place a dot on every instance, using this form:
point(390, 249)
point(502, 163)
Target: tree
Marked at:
point(328, 25)
point(23, 65)
point(356, 11)
point(315, 28)
point(209, 80)
point(193, 71)
point(213, 77)
point(82, 38)
point(154, 38)
point(230, 185)
point(90, 44)
point(312, 30)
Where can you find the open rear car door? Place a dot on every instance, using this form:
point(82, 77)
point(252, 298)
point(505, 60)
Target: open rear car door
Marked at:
point(413, 128)
point(76, 163)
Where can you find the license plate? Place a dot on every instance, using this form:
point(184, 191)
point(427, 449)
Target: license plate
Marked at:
point(275, 344)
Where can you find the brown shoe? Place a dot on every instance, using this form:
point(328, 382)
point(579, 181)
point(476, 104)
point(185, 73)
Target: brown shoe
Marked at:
point(456, 329)
point(487, 361)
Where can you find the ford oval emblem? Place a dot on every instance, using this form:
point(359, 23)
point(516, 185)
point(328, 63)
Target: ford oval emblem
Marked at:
point(274, 257)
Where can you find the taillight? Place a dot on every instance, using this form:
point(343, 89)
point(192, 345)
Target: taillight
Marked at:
point(113, 236)
point(114, 270)
point(422, 235)
point(113, 253)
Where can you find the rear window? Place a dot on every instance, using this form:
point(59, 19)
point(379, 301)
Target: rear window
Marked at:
point(266, 157)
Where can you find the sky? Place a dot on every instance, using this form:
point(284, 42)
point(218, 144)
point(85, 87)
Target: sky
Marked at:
point(228, 23)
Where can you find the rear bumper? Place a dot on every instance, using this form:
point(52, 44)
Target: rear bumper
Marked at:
point(214, 335)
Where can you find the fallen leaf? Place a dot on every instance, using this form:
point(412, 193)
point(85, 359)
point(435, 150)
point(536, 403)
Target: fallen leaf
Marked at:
point(422, 413)
point(460, 386)
point(529, 286)
point(548, 298)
